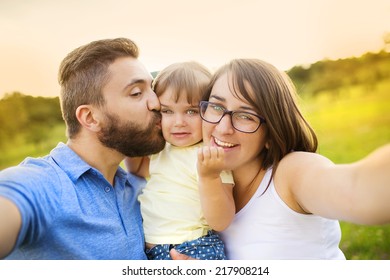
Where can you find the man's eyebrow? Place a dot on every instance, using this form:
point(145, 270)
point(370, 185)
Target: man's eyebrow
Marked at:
point(136, 81)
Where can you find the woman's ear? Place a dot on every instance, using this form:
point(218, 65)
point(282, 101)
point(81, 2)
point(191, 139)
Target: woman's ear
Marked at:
point(88, 118)
point(267, 145)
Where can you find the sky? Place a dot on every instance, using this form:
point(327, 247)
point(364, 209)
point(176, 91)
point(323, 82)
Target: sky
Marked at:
point(35, 35)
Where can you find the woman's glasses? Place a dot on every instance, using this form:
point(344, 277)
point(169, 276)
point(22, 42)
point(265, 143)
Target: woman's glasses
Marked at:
point(242, 121)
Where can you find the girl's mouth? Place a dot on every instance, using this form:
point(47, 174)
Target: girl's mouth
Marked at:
point(180, 134)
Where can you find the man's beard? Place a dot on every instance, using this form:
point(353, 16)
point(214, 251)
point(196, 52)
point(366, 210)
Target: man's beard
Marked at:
point(131, 139)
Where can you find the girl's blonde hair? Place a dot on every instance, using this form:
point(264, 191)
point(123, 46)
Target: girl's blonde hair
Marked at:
point(189, 78)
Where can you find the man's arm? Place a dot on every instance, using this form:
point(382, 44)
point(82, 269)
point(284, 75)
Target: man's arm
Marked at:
point(10, 223)
point(138, 166)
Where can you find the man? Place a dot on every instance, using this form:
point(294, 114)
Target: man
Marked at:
point(77, 203)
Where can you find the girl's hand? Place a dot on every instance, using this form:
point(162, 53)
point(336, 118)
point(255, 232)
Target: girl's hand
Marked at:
point(211, 161)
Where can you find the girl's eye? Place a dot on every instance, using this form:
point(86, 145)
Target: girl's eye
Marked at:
point(192, 112)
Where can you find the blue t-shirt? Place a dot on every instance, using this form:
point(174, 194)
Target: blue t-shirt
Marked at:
point(70, 211)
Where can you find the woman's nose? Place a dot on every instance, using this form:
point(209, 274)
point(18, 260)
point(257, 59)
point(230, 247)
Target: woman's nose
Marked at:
point(225, 125)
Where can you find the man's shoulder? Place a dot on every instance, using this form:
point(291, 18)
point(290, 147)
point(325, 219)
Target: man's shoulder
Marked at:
point(31, 170)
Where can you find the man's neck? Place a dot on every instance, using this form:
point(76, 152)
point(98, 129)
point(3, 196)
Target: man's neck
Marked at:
point(104, 159)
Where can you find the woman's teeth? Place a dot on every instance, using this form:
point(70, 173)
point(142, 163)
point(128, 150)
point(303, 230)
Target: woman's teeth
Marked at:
point(223, 144)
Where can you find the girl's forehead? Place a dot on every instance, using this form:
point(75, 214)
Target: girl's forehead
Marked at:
point(175, 97)
point(178, 94)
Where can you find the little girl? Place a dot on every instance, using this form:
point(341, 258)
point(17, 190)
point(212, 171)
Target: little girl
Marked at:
point(188, 195)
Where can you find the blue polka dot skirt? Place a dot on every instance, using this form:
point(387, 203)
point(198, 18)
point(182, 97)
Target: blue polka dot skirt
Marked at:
point(208, 247)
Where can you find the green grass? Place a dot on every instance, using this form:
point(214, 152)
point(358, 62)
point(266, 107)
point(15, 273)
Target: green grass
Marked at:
point(365, 242)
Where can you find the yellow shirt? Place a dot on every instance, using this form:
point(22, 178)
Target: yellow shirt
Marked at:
point(170, 202)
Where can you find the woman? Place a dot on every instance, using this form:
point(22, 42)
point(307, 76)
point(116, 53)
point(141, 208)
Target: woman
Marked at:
point(288, 198)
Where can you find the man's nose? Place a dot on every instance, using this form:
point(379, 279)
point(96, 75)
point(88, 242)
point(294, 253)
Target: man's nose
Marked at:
point(153, 102)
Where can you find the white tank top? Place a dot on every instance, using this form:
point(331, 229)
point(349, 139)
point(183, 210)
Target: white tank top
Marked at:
point(266, 228)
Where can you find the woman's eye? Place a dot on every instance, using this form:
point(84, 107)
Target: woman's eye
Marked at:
point(245, 117)
point(218, 108)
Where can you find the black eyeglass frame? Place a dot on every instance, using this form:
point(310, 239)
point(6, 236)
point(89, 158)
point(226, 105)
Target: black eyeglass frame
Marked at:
point(227, 112)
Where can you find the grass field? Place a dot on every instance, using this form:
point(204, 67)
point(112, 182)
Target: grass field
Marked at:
point(349, 123)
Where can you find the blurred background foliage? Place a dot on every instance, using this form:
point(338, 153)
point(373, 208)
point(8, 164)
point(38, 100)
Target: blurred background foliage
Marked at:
point(347, 101)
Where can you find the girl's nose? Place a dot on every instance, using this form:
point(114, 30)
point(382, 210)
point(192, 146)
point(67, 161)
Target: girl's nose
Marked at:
point(179, 120)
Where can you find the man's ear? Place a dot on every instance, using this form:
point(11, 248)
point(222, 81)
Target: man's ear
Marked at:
point(88, 118)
